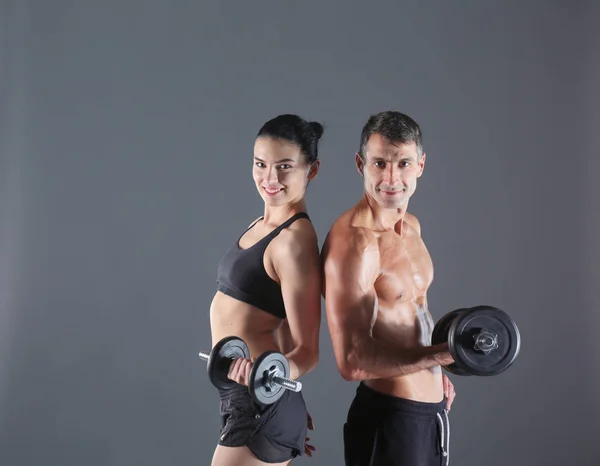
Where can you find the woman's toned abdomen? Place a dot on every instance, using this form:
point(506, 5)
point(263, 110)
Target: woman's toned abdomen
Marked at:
point(230, 317)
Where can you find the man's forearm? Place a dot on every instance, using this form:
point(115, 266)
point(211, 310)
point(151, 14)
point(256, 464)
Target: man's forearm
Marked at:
point(373, 359)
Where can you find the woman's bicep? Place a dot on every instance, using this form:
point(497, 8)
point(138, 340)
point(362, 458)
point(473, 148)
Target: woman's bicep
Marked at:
point(299, 273)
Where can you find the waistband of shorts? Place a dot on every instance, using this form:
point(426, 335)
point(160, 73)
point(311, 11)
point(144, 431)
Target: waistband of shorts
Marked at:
point(401, 404)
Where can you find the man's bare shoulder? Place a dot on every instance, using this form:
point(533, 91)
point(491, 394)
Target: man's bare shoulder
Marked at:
point(413, 221)
point(348, 236)
point(350, 257)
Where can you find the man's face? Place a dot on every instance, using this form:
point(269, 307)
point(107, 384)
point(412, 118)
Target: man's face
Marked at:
point(390, 171)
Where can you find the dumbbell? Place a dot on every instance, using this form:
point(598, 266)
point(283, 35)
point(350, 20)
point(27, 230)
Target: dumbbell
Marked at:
point(269, 376)
point(483, 340)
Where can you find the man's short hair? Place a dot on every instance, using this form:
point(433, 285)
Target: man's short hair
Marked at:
point(396, 127)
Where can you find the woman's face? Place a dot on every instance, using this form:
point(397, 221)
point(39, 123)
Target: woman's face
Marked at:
point(280, 171)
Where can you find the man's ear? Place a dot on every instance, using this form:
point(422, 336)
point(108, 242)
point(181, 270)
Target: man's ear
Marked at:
point(421, 165)
point(360, 164)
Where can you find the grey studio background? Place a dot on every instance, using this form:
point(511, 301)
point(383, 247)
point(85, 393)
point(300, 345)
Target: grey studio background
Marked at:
point(126, 132)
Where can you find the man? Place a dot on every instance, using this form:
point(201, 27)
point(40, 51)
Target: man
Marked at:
point(377, 271)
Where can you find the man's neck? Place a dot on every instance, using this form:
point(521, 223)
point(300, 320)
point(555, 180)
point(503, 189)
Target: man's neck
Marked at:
point(384, 219)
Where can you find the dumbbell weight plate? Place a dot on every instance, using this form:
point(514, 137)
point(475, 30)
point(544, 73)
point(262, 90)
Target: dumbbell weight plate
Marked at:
point(462, 334)
point(221, 356)
point(266, 363)
point(440, 335)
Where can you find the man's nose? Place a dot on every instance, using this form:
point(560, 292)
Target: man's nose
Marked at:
point(392, 175)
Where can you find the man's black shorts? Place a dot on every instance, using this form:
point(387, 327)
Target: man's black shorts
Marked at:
point(384, 430)
point(273, 433)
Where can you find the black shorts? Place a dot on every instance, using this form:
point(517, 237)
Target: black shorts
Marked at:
point(386, 430)
point(274, 433)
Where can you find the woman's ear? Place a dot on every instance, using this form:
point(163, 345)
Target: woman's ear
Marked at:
point(314, 169)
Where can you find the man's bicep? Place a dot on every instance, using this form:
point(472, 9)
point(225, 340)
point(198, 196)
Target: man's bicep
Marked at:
point(349, 297)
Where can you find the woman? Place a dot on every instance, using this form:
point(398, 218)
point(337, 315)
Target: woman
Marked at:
point(269, 295)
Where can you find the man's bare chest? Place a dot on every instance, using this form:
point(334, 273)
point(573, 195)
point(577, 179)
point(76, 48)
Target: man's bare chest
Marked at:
point(406, 268)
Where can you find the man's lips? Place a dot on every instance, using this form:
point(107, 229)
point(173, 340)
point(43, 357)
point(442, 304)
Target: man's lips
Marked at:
point(392, 192)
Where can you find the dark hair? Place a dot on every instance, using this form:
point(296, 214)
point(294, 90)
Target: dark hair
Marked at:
point(393, 126)
point(305, 134)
